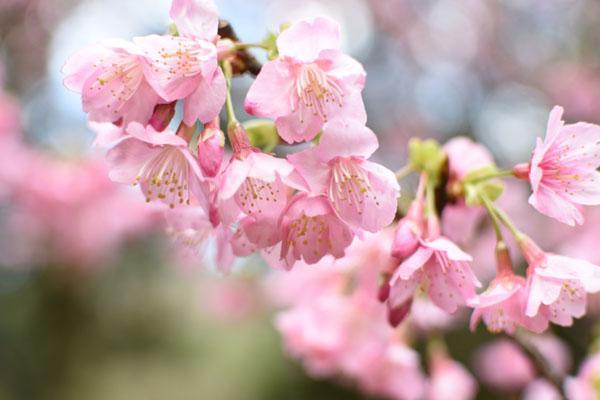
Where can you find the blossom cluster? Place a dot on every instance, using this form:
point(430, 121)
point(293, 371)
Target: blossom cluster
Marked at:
point(303, 207)
point(157, 103)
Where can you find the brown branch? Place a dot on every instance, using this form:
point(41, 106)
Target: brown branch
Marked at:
point(243, 61)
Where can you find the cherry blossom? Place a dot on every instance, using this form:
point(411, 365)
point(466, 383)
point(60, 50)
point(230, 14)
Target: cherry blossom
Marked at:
point(442, 268)
point(562, 171)
point(185, 66)
point(110, 78)
point(310, 83)
point(558, 285)
point(362, 193)
point(162, 165)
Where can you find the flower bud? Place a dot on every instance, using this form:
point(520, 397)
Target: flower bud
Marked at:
point(405, 240)
point(162, 116)
point(211, 150)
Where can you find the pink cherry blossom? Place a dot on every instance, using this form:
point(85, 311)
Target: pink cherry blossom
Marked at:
point(562, 171)
point(253, 186)
point(310, 230)
point(195, 18)
point(409, 231)
point(442, 268)
point(185, 66)
point(66, 212)
point(161, 163)
point(502, 305)
point(362, 193)
point(310, 83)
point(110, 78)
point(336, 326)
point(211, 149)
point(192, 232)
point(558, 285)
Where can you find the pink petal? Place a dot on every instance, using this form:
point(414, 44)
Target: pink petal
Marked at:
point(195, 18)
point(404, 289)
point(151, 136)
point(304, 40)
point(141, 106)
point(345, 138)
point(233, 177)
point(296, 128)
point(346, 70)
point(316, 173)
point(412, 264)
point(447, 246)
point(268, 167)
point(555, 124)
point(175, 65)
point(126, 159)
point(549, 203)
point(442, 290)
point(206, 102)
point(271, 93)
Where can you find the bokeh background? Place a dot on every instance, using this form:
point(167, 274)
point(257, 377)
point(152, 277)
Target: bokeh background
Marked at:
point(95, 304)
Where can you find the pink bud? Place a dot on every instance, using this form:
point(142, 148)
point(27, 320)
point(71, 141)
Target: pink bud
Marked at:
point(531, 251)
point(239, 140)
point(397, 314)
point(162, 116)
point(521, 171)
point(384, 290)
point(210, 151)
point(405, 240)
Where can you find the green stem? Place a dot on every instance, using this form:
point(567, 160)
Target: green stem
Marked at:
point(430, 193)
point(229, 103)
point(518, 235)
point(489, 206)
point(404, 171)
point(497, 174)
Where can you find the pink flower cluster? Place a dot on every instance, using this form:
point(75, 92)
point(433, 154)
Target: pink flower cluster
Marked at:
point(334, 324)
point(58, 211)
point(355, 312)
point(302, 208)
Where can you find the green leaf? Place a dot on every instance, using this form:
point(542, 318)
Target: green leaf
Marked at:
point(427, 156)
point(491, 189)
point(480, 173)
point(270, 43)
point(262, 134)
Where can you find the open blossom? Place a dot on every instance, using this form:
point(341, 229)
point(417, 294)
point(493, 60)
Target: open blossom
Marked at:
point(563, 170)
point(185, 66)
point(502, 305)
point(254, 191)
point(558, 285)
point(110, 78)
point(442, 269)
point(336, 326)
point(310, 83)
point(161, 163)
point(311, 230)
point(362, 193)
